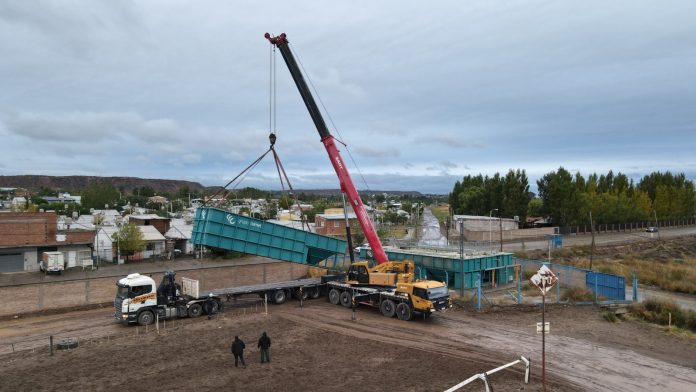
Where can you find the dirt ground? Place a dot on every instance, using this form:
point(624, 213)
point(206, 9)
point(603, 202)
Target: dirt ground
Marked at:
point(319, 348)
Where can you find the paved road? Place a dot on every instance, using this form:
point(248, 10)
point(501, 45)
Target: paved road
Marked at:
point(603, 239)
point(430, 234)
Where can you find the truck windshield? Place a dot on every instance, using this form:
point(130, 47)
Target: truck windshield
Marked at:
point(437, 292)
point(122, 291)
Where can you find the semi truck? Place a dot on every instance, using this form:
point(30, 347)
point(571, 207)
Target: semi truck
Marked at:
point(388, 287)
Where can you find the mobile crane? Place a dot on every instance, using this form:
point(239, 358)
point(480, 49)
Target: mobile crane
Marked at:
point(389, 285)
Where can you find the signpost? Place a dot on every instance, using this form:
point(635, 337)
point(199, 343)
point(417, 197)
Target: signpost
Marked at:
point(544, 280)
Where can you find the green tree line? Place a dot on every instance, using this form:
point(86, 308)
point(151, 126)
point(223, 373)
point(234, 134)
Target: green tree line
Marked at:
point(569, 199)
point(479, 195)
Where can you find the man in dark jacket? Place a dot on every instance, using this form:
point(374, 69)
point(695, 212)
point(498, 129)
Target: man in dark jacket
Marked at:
point(238, 351)
point(264, 346)
point(210, 305)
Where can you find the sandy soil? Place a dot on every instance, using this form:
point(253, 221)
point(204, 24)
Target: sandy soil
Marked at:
point(319, 347)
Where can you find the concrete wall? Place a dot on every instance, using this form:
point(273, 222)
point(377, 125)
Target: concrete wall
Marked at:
point(29, 298)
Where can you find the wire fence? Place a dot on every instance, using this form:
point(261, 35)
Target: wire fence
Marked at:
point(48, 344)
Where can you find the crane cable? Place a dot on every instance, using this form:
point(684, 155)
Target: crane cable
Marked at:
point(316, 93)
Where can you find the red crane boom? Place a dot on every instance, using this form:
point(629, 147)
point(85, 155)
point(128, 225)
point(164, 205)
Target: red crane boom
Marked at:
point(327, 139)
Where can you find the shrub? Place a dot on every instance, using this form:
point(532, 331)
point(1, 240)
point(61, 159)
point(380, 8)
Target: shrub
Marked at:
point(577, 294)
point(610, 316)
point(658, 312)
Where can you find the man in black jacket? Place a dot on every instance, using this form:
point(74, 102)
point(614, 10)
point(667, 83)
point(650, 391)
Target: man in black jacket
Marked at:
point(210, 305)
point(264, 345)
point(238, 351)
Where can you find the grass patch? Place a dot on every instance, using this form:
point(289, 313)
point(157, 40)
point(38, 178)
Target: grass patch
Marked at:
point(659, 311)
point(441, 212)
point(577, 294)
point(610, 316)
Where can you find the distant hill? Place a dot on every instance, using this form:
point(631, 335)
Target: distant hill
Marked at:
point(127, 184)
point(78, 183)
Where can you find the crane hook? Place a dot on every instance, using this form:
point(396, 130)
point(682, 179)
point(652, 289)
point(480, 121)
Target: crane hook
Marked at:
point(272, 139)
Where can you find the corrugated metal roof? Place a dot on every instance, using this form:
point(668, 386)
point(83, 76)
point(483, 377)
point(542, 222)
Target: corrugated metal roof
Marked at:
point(150, 233)
point(337, 216)
point(180, 232)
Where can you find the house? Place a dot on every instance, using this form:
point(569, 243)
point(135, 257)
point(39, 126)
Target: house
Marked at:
point(158, 200)
point(18, 202)
point(24, 236)
point(179, 235)
point(161, 224)
point(333, 224)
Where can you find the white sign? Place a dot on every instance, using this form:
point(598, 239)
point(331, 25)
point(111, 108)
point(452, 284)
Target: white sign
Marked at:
point(544, 279)
point(547, 327)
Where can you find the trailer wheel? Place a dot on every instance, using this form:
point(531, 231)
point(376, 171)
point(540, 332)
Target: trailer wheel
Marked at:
point(334, 296)
point(216, 307)
point(301, 295)
point(314, 293)
point(403, 311)
point(388, 308)
point(346, 299)
point(195, 310)
point(279, 297)
point(146, 317)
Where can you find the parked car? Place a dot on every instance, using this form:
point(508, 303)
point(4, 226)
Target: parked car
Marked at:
point(651, 229)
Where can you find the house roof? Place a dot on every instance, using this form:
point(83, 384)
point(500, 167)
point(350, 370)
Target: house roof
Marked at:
point(180, 232)
point(337, 216)
point(150, 233)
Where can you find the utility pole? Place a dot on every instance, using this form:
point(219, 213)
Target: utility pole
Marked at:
point(461, 239)
point(490, 228)
point(592, 247)
point(657, 227)
point(500, 219)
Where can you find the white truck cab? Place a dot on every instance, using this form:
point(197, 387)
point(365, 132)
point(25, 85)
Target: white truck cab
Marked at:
point(139, 300)
point(134, 292)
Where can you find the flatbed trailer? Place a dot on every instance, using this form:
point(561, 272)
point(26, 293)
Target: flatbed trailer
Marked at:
point(279, 292)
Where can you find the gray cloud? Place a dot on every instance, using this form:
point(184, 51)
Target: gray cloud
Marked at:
point(179, 91)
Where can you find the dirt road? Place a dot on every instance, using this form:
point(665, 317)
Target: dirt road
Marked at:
point(319, 347)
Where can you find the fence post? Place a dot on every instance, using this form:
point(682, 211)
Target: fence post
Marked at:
point(519, 285)
point(558, 288)
point(478, 291)
point(635, 287)
point(595, 287)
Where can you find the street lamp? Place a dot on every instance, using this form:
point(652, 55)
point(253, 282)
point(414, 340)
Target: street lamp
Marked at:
point(490, 227)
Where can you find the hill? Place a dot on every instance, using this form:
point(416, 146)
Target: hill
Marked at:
point(78, 183)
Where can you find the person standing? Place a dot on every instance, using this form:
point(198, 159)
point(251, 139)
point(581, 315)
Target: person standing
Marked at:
point(210, 305)
point(264, 345)
point(238, 351)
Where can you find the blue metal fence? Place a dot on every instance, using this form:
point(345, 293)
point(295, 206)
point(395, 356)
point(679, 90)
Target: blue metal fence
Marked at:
point(606, 285)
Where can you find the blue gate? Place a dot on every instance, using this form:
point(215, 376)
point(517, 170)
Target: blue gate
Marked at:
point(606, 285)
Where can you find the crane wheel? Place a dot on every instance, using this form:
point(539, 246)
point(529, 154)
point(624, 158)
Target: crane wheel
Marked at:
point(314, 293)
point(403, 311)
point(334, 296)
point(279, 297)
point(195, 310)
point(346, 299)
point(146, 317)
point(388, 308)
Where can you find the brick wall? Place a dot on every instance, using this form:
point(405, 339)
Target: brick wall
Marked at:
point(27, 228)
point(162, 225)
point(80, 236)
point(36, 297)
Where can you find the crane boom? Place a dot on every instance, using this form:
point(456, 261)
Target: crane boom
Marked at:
point(327, 139)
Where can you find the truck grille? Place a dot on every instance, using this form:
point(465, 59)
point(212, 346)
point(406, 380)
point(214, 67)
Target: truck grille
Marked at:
point(117, 304)
point(441, 303)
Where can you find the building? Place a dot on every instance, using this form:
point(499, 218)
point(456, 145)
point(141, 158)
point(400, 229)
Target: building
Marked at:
point(179, 236)
point(161, 224)
point(24, 236)
point(333, 224)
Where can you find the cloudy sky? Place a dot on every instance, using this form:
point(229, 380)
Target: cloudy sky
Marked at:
point(422, 93)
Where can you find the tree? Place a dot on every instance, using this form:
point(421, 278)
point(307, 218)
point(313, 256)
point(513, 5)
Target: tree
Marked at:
point(130, 240)
point(98, 195)
point(557, 192)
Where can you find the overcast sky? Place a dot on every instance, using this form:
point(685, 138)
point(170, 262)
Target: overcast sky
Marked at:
point(422, 93)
